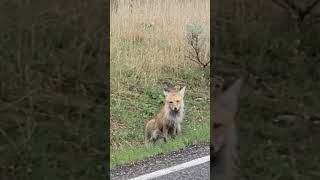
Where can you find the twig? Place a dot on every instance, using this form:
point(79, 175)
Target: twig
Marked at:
point(8, 138)
point(300, 12)
point(8, 105)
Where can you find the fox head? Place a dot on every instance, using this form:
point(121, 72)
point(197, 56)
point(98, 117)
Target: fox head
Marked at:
point(224, 108)
point(223, 142)
point(174, 100)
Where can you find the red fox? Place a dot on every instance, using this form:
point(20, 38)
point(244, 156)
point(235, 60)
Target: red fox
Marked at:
point(168, 119)
point(223, 143)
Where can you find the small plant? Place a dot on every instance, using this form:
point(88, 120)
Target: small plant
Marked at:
point(196, 45)
point(114, 5)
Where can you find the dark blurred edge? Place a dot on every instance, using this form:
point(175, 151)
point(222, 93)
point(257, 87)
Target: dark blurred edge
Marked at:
point(274, 45)
point(54, 89)
point(213, 41)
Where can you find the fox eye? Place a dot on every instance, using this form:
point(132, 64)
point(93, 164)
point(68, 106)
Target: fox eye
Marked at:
point(178, 101)
point(170, 102)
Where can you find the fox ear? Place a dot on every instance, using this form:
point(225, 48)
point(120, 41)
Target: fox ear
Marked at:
point(229, 98)
point(165, 92)
point(181, 92)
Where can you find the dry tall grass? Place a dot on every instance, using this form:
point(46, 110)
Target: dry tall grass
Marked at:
point(148, 46)
point(149, 35)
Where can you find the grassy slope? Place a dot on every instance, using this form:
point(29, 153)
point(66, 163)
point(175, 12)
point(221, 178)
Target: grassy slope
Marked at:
point(283, 79)
point(53, 90)
point(132, 110)
point(147, 51)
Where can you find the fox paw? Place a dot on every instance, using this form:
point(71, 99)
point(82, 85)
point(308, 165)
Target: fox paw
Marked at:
point(165, 139)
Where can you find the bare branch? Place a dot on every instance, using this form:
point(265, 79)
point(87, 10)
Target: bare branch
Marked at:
point(293, 7)
point(300, 12)
point(309, 8)
point(195, 53)
point(281, 5)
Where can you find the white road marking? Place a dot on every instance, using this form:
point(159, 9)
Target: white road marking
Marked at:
point(173, 168)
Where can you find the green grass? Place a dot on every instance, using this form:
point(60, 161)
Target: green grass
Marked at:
point(191, 136)
point(148, 51)
point(131, 111)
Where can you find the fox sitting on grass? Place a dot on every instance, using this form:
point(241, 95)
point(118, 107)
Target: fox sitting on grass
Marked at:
point(167, 120)
point(223, 143)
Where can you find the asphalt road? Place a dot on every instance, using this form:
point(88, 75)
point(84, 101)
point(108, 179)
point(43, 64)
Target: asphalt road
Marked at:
point(200, 172)
point(167, 160)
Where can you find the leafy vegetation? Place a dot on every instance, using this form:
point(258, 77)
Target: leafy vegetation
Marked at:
point(148, 47)
point(278, 54)
point(53, 89)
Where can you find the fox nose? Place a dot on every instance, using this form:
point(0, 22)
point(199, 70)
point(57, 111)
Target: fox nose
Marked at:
point(175, 108)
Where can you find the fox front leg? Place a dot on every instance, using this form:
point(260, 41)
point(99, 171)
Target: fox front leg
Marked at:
point(174, 132)
point(178, 129)
point(165, 134)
